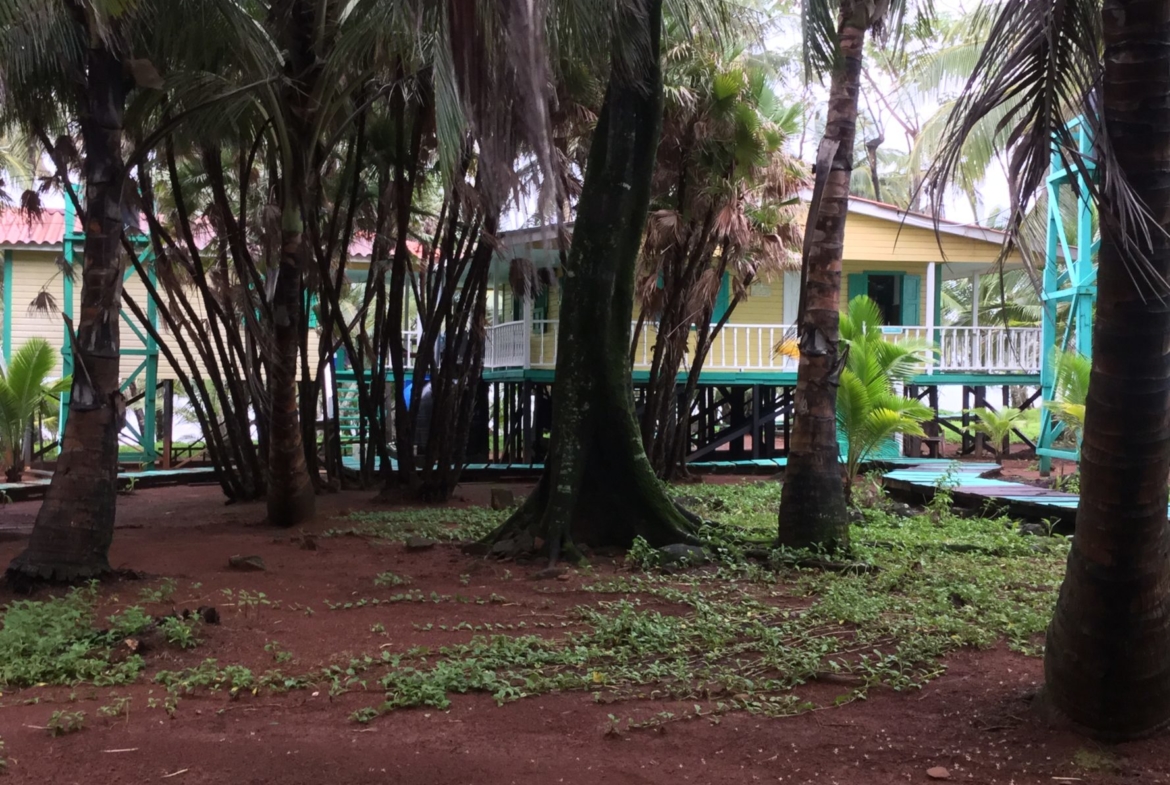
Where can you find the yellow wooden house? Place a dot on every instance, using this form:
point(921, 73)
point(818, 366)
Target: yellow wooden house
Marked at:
point(893, 256)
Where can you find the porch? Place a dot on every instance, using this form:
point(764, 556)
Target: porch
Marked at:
point(532, 344)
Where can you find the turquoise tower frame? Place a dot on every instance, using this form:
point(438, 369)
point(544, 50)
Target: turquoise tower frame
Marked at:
point(146, 442)
point(1070, 279)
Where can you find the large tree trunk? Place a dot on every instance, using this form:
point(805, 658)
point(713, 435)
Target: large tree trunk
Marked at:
point(1106, 662)
point(812, 503)
point(74, 528)
point(599, 489)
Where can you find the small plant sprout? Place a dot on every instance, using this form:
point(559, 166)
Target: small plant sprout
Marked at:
point(65, 722)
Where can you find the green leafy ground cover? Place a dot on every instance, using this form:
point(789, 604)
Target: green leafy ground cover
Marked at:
point(746, 632)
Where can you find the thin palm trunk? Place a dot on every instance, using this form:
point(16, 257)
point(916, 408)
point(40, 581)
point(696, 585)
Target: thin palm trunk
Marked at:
point(71, 538)
point(812, 503)
point(291, 492)
point(1106, 663)
point(291, 496)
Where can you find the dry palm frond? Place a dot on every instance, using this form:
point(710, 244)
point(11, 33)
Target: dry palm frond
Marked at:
point(43, 304)
point(787, 347)
point(704, 293)
point(64, 268)
point(31, 207)
point(523, 278)
point(649, 294)
point(547, 279)
point(662, 230)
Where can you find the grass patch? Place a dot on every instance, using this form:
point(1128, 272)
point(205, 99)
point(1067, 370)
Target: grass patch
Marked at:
point(745, 636)
point(55, 641)
point(441, 524)
point(743, 633)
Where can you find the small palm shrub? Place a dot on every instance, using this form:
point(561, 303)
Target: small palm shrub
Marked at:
point(870, 411)
point(25, 391)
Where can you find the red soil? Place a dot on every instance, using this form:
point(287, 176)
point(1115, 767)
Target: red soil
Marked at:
point(976, 720)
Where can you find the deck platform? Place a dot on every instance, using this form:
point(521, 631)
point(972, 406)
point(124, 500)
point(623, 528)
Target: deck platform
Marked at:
point(157, 478)
point(973, 484)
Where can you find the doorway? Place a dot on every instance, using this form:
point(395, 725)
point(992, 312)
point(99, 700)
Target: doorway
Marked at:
point(886, 291)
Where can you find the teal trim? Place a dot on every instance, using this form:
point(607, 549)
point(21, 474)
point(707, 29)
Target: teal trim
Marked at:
point(7, 338)
point(911, 292)
point(938, 287)
point(71, 239)
point(858, 285)
point(722, 299)
point(909, 284)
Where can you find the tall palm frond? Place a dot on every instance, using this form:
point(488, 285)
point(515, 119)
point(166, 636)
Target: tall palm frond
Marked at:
point(1039, 68)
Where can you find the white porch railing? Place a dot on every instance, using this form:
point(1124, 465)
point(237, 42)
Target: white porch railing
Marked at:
point(752, 347)
point(990, 349)
point(506, 346)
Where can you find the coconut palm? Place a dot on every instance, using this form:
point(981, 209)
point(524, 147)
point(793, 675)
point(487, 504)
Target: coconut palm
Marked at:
point(1105, 663)
point(812, 503)
point(25, 391)
point(61, 61)
point(996, 426)
point(870, 410)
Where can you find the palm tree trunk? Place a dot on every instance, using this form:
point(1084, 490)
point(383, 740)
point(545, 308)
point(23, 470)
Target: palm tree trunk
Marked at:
point(291, 497)
point(71, 538)
point(812, 503)
point(599, 488)
point(1106, 663)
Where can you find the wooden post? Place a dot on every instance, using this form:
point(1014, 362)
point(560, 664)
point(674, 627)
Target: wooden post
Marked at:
point(975, 300)
point(1007, 438)
point(969, 443)
point(526, 415)
point(912, 445)
point(757, 431)
point(931, 274)
point(168, 421)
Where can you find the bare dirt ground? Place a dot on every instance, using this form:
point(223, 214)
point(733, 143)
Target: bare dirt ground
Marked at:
point(977, 720)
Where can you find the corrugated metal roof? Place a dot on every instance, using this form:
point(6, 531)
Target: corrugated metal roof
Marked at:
point(17, 229)
point(49, 230)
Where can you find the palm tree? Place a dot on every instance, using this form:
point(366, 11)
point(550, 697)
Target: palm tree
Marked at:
point(870, 411)
point(25, 392)
point(722, 219)
point(812, 503)
point(1105, 660)
point(1012, 301)
point(70, 58)
point(599, 489)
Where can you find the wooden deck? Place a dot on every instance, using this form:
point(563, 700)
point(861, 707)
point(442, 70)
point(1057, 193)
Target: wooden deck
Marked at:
point(35, 489)
point(974, 484)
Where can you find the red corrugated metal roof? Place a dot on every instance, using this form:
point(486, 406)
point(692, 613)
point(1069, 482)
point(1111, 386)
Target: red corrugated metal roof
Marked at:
point(16, 229)
point(49, 229)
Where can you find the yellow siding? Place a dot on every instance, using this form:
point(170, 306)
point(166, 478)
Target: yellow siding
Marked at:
point(33, 271)
point(879, 240)
point(763, 305)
